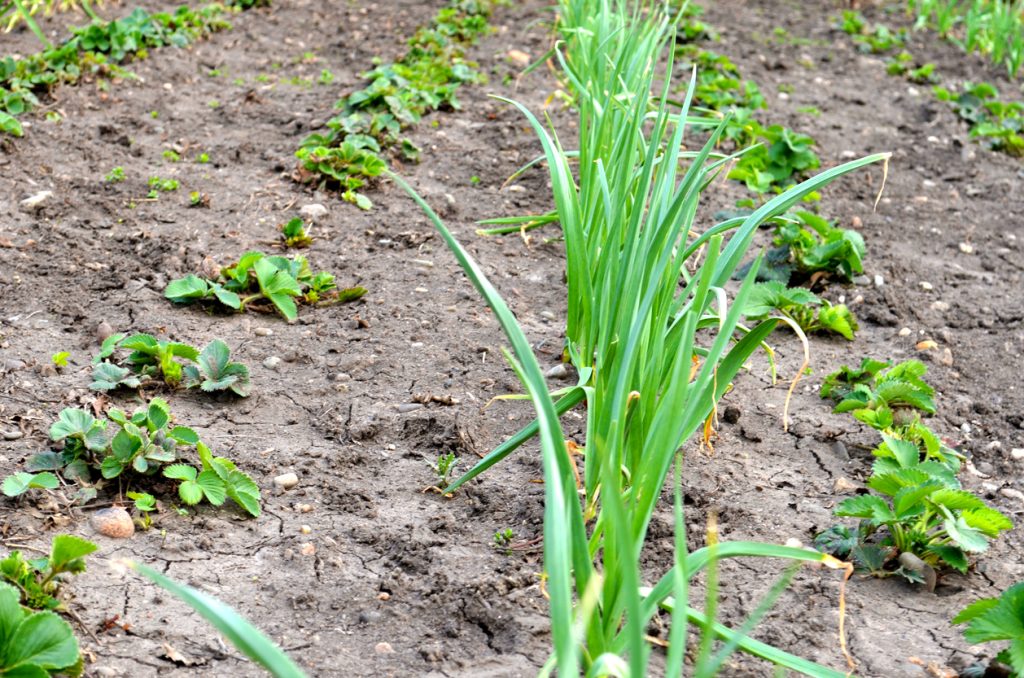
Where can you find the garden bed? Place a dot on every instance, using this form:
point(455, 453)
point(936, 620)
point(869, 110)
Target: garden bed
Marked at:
point(361, 569)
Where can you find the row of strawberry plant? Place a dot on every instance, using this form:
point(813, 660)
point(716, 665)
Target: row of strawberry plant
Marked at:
point(371, 120)
point(98, 49)
point(991, 118)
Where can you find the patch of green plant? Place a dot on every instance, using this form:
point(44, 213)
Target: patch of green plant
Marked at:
point(990, 27)
point(294, 233)
point(923, 510)
point(172, 156)
point(60, 359)
point(396, 96)
point(39, 580)
point(812, 244)
point(145, 504)
point(874, 40)
point(95, 50)
point(806, 309)
point(998, 619)
point(144, 444)
point(905, 65)
point(162, 185)
point(152, 359)
point(258, 279)
point(880, 395)
point(115, 175)
point(444, 467)
point(782, 157)
point(1000, 123)
point(35, 643)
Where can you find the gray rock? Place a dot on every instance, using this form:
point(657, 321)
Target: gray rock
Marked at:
point(313, 212)
point(272, 362)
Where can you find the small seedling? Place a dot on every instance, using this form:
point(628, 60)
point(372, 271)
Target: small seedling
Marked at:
point(144, 444)
point(151, 358)
point(881, 398)
point(799, 305)
point(163, 185)
point(213, 103)
point(38, 581)
point(115, 176)
point(145, 504)
point(202, 158)
point(60, 359)
point(503, 538)
point(172, 156)
point(326, 77)
point(294, 233)
point(257, 278)
point(197, 199)
point(444, 467)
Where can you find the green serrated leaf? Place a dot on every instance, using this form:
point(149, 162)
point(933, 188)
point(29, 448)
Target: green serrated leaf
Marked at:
point(213, 487)
point(190, 492)
point(180, 472)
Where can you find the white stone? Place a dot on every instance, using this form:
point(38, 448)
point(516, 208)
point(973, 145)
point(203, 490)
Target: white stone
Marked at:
point(313, 211)
point(286, 481)
point(37, 200)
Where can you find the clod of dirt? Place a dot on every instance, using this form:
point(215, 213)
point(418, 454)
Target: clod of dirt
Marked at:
point(286, 481)
point(113, 522)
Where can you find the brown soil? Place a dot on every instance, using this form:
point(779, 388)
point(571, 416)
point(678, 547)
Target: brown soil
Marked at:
point(386, 561)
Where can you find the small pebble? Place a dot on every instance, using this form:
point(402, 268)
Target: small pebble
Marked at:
point(927, 286)
point(306, 529)
point(794, 543)
point(36, 201)
point(272, 362)
point(408, 407)
point(1012, 493)
point(557, 372)
point(286, 481)
point(940, 306)
point(1017, 453)
point(304, 508)
point(12, 435)
point(113, 522)
point(861, 280)
point(905, 332)
point(844, 485)
point(383, 648)
point(966, 248)
point(103, 330)
point(313, 211)
point(263, 332)
point(946, 358)
point(731, 414)
point(879, 281)
point(307, 549)
point(13, 365)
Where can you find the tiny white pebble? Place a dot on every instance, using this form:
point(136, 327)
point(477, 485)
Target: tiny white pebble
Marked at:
point(926, 286)
point(966, 248)
point(905, 332)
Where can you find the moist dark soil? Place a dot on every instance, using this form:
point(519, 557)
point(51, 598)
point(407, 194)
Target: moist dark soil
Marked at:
point(362, 569)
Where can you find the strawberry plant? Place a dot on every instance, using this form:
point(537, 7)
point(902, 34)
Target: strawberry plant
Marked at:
point(258, 279)
point(35, 643)
point(39, 580)
point(802, 306)
point(812, 244)
point(144, 444)
point(396, 96)
point(998, 619)
point(999, 122)
point(214, 371)
point(923, 510)
point(881, 398)
point(782, 156)
point(151, 358)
